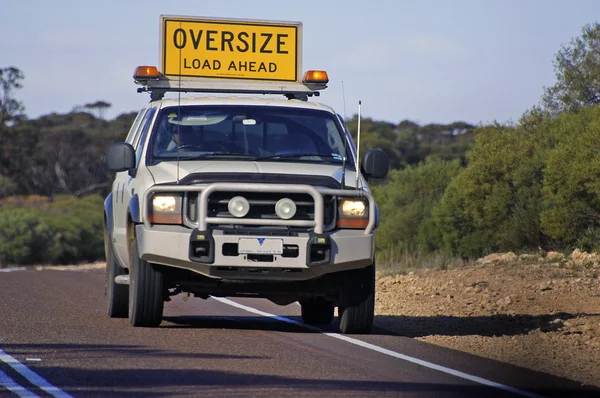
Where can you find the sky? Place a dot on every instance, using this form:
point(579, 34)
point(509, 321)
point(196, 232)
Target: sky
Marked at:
point(428, 61)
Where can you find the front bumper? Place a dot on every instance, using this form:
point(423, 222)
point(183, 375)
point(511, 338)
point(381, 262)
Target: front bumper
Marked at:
point(170, 246)
point(217, 256)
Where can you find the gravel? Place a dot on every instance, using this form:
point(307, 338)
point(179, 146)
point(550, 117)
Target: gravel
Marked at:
point(541, 313)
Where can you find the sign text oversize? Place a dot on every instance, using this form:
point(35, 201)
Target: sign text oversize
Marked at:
point(235, 49)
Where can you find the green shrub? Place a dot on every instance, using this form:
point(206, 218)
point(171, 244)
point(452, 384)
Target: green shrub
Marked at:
point(459, 234)
point(24, 239)
point(7, 186)
point(571, 192)
point(61, 230)
point(528, 185)
point(496, 203)
point(406, 202)
point(78, 227)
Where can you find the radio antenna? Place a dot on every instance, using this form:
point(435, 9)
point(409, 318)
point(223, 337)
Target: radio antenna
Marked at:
point(348, 138)
point(358, 145)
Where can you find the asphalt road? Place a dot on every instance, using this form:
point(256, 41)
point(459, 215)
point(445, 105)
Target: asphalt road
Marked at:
point(55, 340)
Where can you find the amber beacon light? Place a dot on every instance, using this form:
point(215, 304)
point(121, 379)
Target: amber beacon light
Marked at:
point(146, 72)
point(315, 76)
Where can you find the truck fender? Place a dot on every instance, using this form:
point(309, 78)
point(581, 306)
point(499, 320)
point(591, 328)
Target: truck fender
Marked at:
point(134, 209)
point(108, 213)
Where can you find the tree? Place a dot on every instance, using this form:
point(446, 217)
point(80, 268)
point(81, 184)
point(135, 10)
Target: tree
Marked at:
point(571, 192)
point(577, 69)
point(406, 201)
point(495, 202)
point(98, 107)
point(376, 135)
point(408, 145)
point(10, 108)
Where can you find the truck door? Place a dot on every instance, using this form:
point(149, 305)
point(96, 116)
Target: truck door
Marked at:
point(123, 186)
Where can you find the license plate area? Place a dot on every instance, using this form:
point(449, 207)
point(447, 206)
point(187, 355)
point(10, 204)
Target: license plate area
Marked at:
point(260, 246)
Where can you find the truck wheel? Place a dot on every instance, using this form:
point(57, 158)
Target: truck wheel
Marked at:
point(117, 296)
point(145, 291)
point(357, 316)
point(317, 311)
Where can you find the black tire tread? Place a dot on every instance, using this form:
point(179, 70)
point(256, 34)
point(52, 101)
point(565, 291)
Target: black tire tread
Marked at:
point(358, 318)
point(146, 288)
point(117, 296)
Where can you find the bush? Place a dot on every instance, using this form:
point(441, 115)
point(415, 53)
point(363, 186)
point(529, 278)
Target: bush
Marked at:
point(7, 186)
point(459, 234)
point(571, 193)
point(24, 239)
point(525, 186)
point(78, 225)
point(496, 203)
point(406, 202)
point(62, 230)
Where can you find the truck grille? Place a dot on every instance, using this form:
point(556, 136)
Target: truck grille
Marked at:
point(262, 205)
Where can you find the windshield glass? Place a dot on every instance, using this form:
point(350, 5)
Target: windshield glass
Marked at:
point(248, 132)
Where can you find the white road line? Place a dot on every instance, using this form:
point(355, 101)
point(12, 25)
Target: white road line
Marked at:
point(33, 377)
point(12, 269)
point(7, 382)
point(385, 351)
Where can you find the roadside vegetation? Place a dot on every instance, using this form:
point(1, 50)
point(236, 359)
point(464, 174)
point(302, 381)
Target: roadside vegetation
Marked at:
point(455, 191)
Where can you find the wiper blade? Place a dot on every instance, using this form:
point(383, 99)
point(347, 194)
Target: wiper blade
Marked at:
point(301, 155)
point(217, 155)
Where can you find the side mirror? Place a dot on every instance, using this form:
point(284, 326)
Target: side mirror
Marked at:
point(375, 164)
point(120, 157)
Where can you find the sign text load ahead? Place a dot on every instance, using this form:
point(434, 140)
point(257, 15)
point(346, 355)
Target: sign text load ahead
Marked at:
point(237, 49)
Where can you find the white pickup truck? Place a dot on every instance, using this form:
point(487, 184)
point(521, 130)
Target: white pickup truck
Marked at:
point(241, 197)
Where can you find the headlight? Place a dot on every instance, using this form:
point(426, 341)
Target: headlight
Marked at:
point(353, 208)
point(353, 213)
point(164, 203)
point(166, 209)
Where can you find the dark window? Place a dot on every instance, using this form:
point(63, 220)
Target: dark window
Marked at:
point(263, 133)
point(139, 145)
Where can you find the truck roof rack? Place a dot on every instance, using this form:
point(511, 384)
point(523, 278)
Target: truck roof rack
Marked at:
point(292, 90)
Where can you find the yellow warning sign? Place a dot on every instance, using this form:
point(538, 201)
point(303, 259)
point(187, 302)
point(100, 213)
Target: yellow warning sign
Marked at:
point(237, 49)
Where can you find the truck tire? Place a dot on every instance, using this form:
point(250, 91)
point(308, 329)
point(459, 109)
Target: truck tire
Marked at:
point(117, 296)
point(145, 291)
point(357, 316)
point(317, 311)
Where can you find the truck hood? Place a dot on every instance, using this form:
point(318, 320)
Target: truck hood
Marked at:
point(166, 172)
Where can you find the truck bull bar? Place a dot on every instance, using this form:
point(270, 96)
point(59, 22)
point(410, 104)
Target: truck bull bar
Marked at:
point(202, 206)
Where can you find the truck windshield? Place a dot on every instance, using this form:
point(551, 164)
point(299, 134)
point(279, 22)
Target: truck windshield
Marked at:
point(278, 134)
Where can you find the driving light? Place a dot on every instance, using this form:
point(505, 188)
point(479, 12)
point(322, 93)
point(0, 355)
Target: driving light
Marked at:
point(285, 208)
point(238, 206)
point(353, 208)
